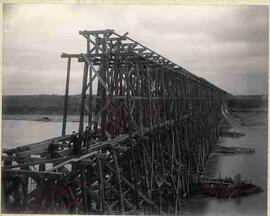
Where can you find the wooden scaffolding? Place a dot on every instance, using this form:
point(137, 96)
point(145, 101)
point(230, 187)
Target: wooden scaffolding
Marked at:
point(154, 124)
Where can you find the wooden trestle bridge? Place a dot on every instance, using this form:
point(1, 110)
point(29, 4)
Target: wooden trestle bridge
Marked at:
point(155, 125)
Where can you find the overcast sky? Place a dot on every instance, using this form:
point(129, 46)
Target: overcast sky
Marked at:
point(227, 45)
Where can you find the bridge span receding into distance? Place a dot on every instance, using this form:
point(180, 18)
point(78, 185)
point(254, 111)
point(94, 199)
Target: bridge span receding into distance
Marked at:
point(151, 129)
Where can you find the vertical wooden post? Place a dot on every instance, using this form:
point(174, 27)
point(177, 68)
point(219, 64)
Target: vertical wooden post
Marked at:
point(101, 89)
point(101, 184)
point(118, 179)
point(88, 177)
point(135, 174)
point(149, 95)
point(83, 185)
point(66, 98)
point(83, 94)
point(90, 98)
point(42, 167)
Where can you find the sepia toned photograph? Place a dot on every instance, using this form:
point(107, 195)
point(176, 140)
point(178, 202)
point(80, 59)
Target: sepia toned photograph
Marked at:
point(134, 109)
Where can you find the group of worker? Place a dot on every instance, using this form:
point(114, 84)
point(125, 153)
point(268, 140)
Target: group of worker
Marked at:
point(77, 140)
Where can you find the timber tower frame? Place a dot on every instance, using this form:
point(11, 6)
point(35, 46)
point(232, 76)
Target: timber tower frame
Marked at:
point(155, 123)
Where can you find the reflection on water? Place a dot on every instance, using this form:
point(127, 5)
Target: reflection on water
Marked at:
point(254, 166)
point(251, 166)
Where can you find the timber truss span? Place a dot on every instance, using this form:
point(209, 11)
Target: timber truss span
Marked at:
point(154, 124)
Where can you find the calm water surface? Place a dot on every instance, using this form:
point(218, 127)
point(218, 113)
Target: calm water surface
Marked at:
point(254, 125)
point(20, 132)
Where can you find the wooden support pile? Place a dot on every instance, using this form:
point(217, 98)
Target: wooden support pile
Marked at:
point(155, 125)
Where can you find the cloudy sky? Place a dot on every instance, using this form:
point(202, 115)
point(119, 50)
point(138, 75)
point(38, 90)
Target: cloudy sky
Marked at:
point(227, 45)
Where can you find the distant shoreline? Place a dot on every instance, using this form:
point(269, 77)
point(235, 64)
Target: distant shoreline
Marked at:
point(248, 109)
point(76, 118)
point(33, 107)
point(38, 117)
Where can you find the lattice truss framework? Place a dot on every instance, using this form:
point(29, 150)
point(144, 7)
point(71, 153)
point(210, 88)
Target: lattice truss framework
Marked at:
point(156, 123)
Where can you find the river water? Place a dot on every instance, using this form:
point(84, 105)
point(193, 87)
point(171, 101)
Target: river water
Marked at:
point(254, 166)
point(21, 132)
point(250, 166)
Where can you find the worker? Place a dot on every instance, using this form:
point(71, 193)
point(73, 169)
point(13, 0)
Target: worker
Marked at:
point(52, 148)
point(78, 145)
point(74, 140)
point(92, 137)
point(86, 137)
point(95, 133)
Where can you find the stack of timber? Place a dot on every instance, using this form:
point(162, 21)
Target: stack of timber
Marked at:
point(232, 150)
point(228, 188)
point(232, 134)
point(156, 124)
